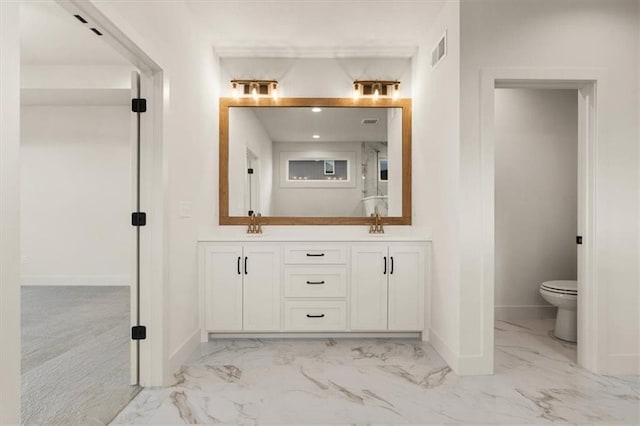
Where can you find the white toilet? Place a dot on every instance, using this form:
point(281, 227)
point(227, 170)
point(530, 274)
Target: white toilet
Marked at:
point(564, 295)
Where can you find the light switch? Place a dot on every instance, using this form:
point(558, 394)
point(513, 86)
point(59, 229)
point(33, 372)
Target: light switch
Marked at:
point(185, 209)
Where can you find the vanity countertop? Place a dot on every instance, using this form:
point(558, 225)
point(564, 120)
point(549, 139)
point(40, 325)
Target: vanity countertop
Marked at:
point(315, 233)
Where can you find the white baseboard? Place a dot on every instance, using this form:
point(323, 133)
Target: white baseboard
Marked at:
point(524, 312)
point(180, 355)
point(75, 280)
point(461, 365)
point(444, 350)
point(623, 364)
point(318, 335)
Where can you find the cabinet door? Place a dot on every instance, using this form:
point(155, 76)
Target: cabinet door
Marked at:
point(369, 287)
point(406, 287)
point(261, 266)
point(223, 288)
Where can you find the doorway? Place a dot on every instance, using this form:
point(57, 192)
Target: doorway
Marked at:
point(80, 168)
point(536, 220)
point(585, 82)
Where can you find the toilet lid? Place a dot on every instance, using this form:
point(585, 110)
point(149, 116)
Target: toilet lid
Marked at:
point(564, 286)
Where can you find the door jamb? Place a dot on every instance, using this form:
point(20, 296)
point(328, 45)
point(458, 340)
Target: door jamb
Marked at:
point(153, 246)
point(584, 80)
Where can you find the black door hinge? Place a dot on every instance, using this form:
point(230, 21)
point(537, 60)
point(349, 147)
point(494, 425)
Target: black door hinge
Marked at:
point(138, 332)
point(138, 219)
point(250, 171)
point(579, 239)
point(139, 105)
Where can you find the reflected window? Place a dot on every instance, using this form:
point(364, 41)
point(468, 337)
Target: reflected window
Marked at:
point(383, 168)
point(318, 170)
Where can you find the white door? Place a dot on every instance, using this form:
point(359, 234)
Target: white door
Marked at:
point(261, 268)
point(223, 288)
point(369, 269)
point(406, 287)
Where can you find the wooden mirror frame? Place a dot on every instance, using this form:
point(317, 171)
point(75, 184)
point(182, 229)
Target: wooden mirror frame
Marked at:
point(226, 103)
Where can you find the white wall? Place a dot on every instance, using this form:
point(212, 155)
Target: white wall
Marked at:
point(9, 213)
point(536, 181)
point(314, 201)
point(559, 34)
point(246, 132)
point(75, 195)
point(322, 77)
point(436, 135)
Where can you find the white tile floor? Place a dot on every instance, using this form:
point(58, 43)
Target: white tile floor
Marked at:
point(379, 381)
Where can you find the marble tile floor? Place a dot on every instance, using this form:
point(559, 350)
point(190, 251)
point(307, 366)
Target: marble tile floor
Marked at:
point(75, 354)
point(386, 381)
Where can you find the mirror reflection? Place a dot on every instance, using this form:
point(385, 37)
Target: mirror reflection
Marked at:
point(315, 162)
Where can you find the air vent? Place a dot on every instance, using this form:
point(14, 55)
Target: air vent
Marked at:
point(370, 121)
point(439, 51)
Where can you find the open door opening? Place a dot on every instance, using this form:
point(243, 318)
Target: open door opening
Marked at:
point(80, 182)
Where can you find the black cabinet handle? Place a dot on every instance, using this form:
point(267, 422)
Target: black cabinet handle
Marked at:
point(385, 266)
point(239, 271)
point(245, 265)
point(315, 282)
point(391, 266)
point(315, 254)
point(315, 316)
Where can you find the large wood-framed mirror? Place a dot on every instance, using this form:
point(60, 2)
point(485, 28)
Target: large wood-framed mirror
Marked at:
point(315, 161)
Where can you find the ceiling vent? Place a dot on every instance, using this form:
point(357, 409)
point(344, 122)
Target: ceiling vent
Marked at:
point(370, 121)
point(439, 51)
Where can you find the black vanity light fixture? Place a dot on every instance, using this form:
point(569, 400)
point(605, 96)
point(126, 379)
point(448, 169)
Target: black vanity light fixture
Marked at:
point(255, 88)
point(376, 89)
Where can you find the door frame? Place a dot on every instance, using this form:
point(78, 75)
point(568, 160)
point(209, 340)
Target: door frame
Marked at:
point(587, 81)
point(153, 359)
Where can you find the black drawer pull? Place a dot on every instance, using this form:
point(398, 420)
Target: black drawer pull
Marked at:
point(391, 266)
point(239, 271)
point(315, 282)
point(315, 254)
point(315, 316)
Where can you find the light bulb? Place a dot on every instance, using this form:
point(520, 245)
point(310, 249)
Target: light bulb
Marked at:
point(234, 90)
point(254, 92)
point(376, 93)
point(356, 91)
point(274, 91)
point(396, 92)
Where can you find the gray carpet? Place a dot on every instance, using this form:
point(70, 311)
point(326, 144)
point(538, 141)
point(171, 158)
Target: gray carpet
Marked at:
point(75, 354)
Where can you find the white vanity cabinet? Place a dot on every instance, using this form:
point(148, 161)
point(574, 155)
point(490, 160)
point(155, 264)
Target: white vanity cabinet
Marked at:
point(387, 287)
point(313, 287)
point(241, 287)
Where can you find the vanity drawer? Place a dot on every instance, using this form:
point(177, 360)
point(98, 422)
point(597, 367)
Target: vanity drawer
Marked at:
point(315, 255)
point(315, 282)
point(315, 315)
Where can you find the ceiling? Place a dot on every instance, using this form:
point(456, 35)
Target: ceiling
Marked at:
point(49, 35)
point(331, 124)
point(329, 26)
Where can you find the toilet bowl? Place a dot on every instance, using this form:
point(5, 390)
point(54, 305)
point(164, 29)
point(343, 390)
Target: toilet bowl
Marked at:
point(564, 295)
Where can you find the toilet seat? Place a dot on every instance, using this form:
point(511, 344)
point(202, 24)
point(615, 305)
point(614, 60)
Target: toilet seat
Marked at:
point(567, 287)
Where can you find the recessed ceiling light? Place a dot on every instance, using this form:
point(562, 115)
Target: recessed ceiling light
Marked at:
point(316, 136)
point(316, 109)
